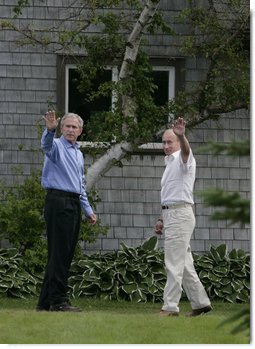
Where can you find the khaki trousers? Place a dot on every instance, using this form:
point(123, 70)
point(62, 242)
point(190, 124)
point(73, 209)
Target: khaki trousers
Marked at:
point(179, 224)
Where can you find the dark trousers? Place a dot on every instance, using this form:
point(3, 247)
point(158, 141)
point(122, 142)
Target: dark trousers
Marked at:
point(62, 215)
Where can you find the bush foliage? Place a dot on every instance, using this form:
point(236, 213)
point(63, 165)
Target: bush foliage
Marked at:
point(133, 274)
point(22, 222)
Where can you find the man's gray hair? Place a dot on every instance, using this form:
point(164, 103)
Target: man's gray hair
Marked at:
point(72, 115)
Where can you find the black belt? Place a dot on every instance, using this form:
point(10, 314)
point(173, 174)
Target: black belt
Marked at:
point(177, 205)
point(63, 193)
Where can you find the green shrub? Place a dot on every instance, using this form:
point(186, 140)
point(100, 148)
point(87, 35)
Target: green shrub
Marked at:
point(133, 274)
point(23, 225)
point(138, 274)
point(15, 281)
point(225, 275)
point(21, 214)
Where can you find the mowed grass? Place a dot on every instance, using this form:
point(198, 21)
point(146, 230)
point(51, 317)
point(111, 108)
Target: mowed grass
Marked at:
point(110, 322)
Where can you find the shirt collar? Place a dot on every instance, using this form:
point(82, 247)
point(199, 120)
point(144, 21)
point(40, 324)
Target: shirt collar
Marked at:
point(68, 144)
point(171, 157)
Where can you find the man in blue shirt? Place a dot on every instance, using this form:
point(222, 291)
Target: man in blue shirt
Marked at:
point(64, 180)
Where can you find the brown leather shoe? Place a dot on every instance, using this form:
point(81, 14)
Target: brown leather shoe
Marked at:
point(168, 313)
point(197, 312)
point(64, 307)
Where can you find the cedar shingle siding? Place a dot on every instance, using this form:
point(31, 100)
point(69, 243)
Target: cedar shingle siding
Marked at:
point(131, 194)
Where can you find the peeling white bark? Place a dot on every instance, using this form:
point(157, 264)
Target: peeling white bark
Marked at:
point(118, 151)
point(134, 39)
point(105, 162)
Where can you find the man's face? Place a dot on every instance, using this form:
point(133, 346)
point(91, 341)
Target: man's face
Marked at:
point(71, 129)
point(170, 142)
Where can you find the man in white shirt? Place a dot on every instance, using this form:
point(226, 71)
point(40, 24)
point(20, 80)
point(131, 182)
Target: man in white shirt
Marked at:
point(178, 222)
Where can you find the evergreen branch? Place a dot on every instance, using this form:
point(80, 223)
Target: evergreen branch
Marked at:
point(235, 148)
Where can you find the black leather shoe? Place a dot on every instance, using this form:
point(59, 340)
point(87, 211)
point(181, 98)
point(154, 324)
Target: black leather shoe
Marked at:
point(64, 307)
point(197, 312)
point(38, 308)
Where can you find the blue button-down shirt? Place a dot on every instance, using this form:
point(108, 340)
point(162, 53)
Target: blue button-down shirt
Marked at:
point(64, 167)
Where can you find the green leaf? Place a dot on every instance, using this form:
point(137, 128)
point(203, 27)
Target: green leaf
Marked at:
point(247, 284)
point(213, 278)
point(215, 254)
point(219, 293)
point(233, 254)
point(74, 279)
point(159, 276)
point(136, 296)
point(129, 288)
point(203, 274)
point(94, 273)
point(31, 289)
point(225, 281)
point(133, 252)
point(90, 290)
point(16, 293)
point(227, 289)
point(120, 267)
point(222, 250)
point(124, 248)
point(88, 276)
point(9, 253)
point(5, 283)
point(151, 258)
point(150, 243)
point(143, 297)
point(239, 273)
point(243, 296)
point(85, 264)
point(219, 270)
point(129, 278)
point(237, 254)
point(106, 280)
point(237, 285)
point(231, 297)
point(158, 268)
point(205, 264)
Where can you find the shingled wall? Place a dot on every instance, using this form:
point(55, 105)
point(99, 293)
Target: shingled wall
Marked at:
point(130, 195)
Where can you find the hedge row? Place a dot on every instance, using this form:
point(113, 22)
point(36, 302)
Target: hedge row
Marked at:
point(133, 274)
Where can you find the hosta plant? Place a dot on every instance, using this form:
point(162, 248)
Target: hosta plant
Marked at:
point(15, 281)
point(134, 274)
point(225, 275)
point(138, 274)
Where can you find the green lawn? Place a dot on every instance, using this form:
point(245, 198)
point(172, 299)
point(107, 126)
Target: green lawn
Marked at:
point(110, 322)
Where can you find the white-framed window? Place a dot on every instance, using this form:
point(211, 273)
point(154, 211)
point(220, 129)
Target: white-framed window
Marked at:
point(164, 78)
point(168, 74)
point(74, 100)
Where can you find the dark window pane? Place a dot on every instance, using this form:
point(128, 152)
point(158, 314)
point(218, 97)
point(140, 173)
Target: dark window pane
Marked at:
point(161, 80)
point(77, 102)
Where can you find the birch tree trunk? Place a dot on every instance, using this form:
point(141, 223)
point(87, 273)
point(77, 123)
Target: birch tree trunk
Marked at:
point(132, 47)
point(105, 162)
point(118, 151)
